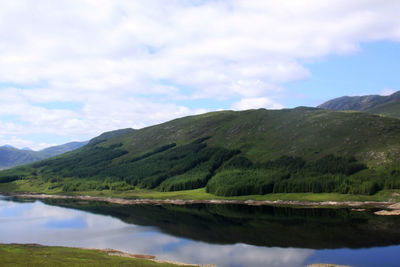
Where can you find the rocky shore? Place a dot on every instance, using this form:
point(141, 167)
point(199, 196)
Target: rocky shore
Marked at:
point(387, 208)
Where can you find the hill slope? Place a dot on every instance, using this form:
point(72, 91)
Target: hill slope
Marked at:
point(375, 104)
point(10, 156)
point(235, 153)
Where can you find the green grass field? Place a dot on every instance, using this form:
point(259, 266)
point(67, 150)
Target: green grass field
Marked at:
point(197, 194)
point(36, 255)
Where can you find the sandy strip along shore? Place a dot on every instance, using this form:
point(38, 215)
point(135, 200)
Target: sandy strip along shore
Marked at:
point(113, 252)
point(390, 207)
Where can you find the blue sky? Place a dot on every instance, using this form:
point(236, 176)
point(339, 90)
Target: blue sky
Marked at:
point(373, 69)
point(71, 70)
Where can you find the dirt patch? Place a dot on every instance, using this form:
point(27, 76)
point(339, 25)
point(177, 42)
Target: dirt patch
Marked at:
point(326, 265)
point(395, 206)
point(387, 212)
point(394, 209)
point(136, 256)
point(122, 201)
point(113, 252)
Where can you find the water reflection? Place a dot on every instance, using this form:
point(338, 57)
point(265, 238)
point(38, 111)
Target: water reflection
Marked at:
point(223, 235)
point(39, 223)
point(240, 255)
point(261, 226)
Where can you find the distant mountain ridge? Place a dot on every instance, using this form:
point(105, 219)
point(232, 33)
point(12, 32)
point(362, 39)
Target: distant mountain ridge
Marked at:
point(375, 104)
point(361, 103)
point(11, 156)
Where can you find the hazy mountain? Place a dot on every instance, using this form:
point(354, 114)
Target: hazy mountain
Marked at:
point(57, 150)
point(7, 146)
point(376, 104)
point(11, 156)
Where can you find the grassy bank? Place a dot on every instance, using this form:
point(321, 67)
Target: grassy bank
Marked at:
point(36, 255)
point(38, 186)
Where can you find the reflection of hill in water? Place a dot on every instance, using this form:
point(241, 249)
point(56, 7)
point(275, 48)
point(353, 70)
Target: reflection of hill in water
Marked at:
point(263, 226)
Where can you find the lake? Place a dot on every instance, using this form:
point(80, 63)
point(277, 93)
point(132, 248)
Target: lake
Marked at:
point(225, 235)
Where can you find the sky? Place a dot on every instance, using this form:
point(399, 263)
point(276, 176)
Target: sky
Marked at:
point(70, 70)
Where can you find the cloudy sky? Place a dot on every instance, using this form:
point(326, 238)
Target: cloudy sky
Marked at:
point(70, 70)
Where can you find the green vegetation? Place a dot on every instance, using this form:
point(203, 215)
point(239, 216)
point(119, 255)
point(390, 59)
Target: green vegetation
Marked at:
point(36, 255)
point(255, 152)
point(294, 175)
point(38, 186)
point(389, 109)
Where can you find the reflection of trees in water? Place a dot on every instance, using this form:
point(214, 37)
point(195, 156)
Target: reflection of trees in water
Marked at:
point(262, 225)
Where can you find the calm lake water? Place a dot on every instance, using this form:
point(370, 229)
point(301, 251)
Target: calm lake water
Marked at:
point(225, 235)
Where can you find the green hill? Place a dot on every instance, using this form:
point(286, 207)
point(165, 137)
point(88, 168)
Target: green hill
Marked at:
point(375, 104)
point(10, 156)
point(391, 109)
point(234, 153)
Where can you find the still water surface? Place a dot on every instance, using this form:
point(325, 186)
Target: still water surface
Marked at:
point(225, 235)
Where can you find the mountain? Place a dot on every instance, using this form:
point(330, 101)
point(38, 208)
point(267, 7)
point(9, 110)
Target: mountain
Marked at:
point(7, 146)
point(11, 156)
point(109, 135)
point(57, 150)
point(234, 153)
point(375, 104)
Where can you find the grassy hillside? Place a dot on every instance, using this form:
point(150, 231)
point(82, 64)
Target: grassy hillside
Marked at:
point(391, 109)
point(234, 153)
point(374, 104)
point(10, 156)
point(36, 255)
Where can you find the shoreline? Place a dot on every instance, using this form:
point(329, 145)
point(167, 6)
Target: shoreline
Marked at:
point(114, 252)
point(393, 207)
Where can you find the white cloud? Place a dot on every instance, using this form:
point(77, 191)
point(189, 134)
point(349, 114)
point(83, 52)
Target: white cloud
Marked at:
point(99, 113)
point(21, 143)
point(388, 91)
point(127, 62)
point(239, 255)
point(254, 103)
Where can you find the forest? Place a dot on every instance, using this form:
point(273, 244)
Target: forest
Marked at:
point(222, 171)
